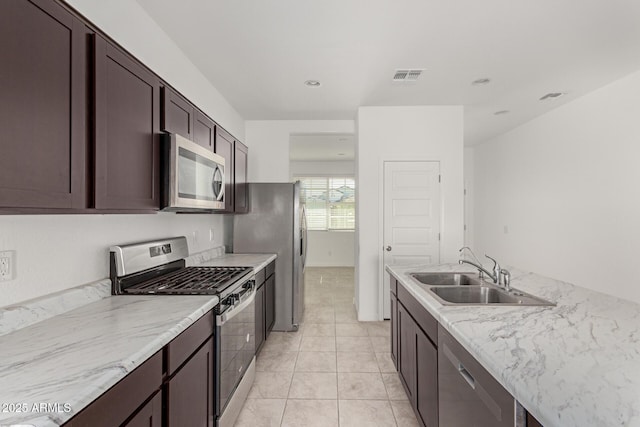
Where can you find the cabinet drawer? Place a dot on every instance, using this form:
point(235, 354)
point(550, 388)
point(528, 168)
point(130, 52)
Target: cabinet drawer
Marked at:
point(462, 379)
point(122, 400)
point(260, 277)
point(393, 285)
point(271, 269)
point(183, 346)
point(425, 320)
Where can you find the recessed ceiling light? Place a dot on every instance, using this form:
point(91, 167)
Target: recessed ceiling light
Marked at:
point(340, 154)
point(342, 139)
point(480, 82)
point(552, 95)
point(501, 112)
point(312, 83)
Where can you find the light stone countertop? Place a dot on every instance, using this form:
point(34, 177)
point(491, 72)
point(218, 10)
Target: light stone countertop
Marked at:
point(575, 364)
point(73, 355)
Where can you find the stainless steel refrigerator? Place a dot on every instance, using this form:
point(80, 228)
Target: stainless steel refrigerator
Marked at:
point(276, 223)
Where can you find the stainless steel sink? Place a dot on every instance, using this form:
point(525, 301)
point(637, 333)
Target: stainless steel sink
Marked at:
point(485, 295)
point(446, 279)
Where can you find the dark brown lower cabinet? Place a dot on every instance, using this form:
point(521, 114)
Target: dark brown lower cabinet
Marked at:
point(468, 395)
point(394, 329)
point(270, 304)
point(418, 368)
point(407, 351)
point(260, 316)
point(150, 415)
point(189, 393)
point(426, 394)
point(124, 400)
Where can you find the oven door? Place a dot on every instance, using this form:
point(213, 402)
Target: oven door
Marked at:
point(195, 176)
point(235, 336)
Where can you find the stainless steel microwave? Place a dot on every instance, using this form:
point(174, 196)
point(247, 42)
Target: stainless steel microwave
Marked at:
point(193, 176)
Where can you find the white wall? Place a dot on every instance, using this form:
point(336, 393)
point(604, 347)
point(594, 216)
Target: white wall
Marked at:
point(404, 133)
point(331, 249)
point(269, 144)
point(56, 252)
point(469, 205)
point(566, 185)
point(128, 23)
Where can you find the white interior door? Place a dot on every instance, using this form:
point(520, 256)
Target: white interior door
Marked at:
point(411, 217)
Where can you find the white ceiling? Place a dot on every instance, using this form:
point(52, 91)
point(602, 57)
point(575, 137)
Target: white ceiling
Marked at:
point(258, 53)
point(322, 147)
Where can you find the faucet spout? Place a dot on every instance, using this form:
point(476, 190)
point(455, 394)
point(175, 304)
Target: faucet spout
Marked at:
point(481, 269)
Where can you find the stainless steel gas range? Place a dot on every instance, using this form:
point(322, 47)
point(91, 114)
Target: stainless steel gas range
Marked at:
point(159, 268)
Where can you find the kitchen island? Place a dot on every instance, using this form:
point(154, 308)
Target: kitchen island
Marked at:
point(575, 364)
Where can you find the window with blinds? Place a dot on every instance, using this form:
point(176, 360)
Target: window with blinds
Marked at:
point(329, 202)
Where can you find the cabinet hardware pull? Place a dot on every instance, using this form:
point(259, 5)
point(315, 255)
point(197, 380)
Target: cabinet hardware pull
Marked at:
point(467, 376)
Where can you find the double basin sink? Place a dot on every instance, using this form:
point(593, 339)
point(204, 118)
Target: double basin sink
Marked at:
point(466, 289)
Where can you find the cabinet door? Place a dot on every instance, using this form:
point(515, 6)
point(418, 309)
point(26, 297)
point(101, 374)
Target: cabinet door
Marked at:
point(42, 113)
point(203, 130)
point(426, 380)
point(190, 391)
point(260, 317)
point(177, 114)
point(407, 351)
point(240, 165)
point(394, 330)
point(150, 415)
point(127, 163)
point(270, 303)
point(224, 148)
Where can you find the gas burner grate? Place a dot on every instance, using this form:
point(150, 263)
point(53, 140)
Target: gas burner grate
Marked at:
point(191, 281)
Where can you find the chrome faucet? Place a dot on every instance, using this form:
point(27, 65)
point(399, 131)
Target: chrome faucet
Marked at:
point(500, 276)
point(495, 275)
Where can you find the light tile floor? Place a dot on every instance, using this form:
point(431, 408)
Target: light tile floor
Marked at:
point(334, 371)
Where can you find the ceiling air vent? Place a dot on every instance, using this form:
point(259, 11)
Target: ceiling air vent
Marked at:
point(407, 75)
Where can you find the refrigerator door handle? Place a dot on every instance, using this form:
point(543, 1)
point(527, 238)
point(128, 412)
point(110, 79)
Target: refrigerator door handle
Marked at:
point(304, 237)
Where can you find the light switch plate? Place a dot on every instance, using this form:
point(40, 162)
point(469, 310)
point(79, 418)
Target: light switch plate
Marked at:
point(7, 265)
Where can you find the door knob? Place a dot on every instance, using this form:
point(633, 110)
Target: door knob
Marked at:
point(388, 248)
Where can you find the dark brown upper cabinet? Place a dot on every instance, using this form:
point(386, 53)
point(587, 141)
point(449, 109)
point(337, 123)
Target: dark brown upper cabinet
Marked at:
point(43, 108)
point(224, 148)
point(177, 114)
point(127, 128)
point(204, 130)
point(240, 168)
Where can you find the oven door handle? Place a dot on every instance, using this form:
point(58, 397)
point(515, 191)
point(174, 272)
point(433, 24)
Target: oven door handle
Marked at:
point(236, 309)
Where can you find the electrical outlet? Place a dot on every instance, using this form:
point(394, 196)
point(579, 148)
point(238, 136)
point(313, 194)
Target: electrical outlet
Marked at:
point(211, 234)
point(7, 265)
